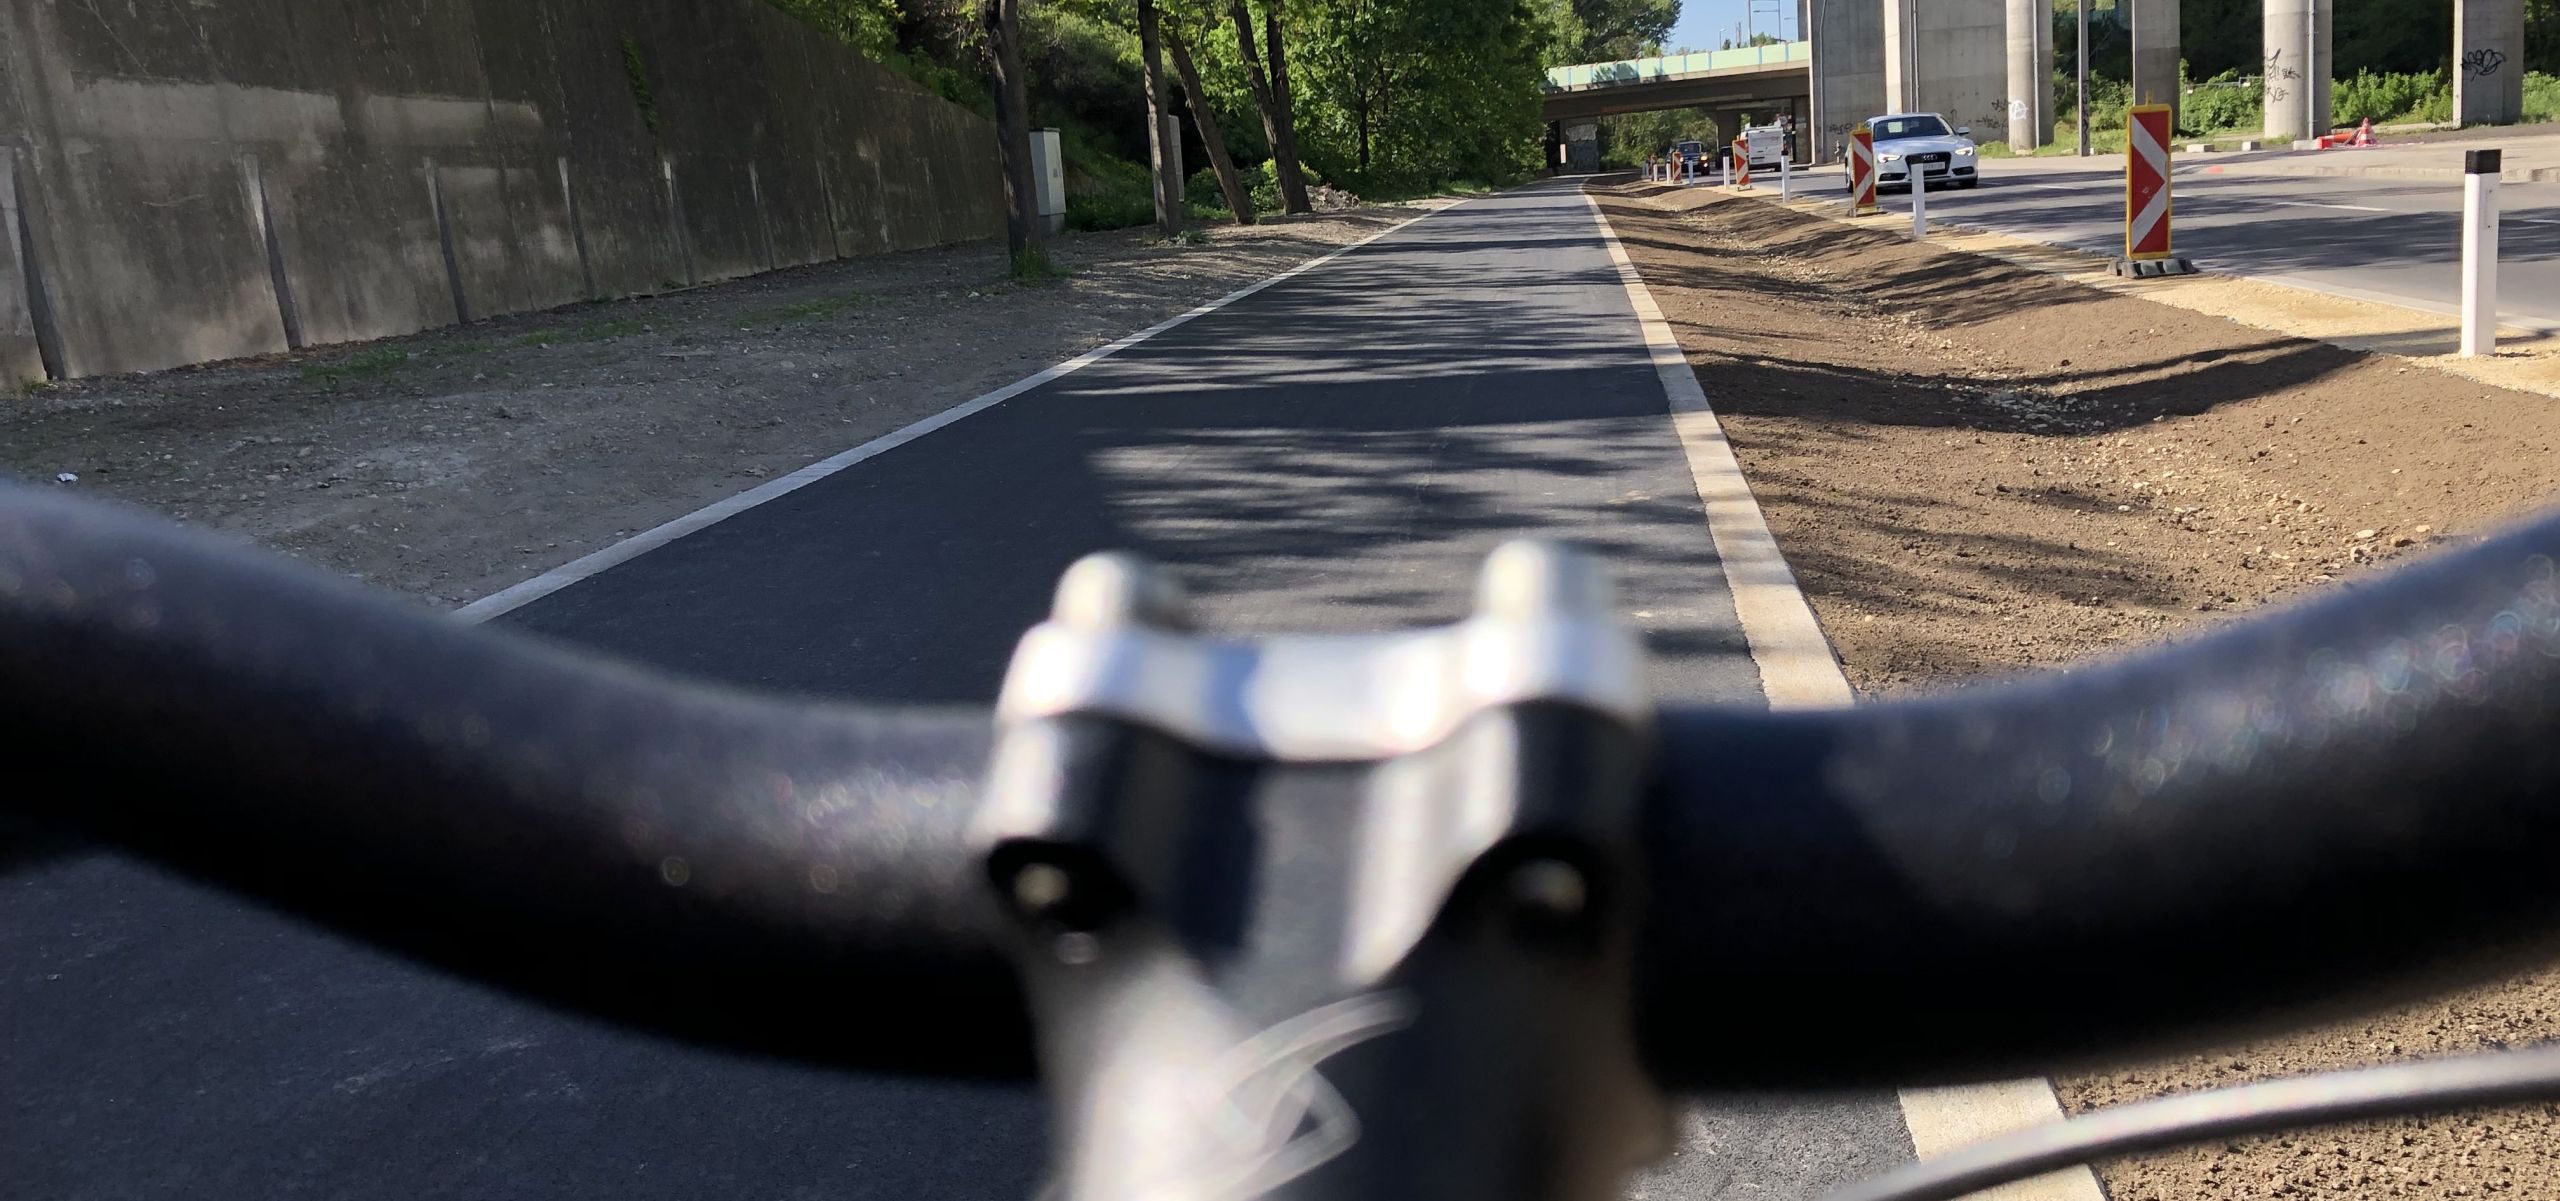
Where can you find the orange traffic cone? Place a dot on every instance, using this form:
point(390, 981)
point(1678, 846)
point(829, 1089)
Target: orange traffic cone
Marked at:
point(2364, 132)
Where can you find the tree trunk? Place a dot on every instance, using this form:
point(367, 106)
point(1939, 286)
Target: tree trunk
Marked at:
point(1284, 150)
point(1022, 232)
point(1276, 126)
point(1159, 156)
point(1239, 198)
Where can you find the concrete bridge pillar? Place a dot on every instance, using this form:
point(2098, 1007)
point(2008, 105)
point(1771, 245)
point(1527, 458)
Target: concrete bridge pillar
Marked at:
point(2298, 68)
point(2155, 53)
point(1949, 57)
point(1848, 71)
point(2030, 95)
point(2488, 62)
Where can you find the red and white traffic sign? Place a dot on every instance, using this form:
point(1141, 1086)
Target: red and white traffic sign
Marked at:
point(1741, 164)
point(1862, 171)
point(2146, 182)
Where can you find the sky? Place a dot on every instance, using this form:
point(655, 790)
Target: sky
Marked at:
point(1705, 24)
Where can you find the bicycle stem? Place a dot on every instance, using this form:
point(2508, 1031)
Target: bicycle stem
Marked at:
point(1264, 962)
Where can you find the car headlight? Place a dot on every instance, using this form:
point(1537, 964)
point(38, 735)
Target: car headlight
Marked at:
point(1964, 152)
point(1888, 158)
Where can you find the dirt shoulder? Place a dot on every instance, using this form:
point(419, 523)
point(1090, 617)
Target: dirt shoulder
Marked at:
point(451, 464)
point(1977, 469)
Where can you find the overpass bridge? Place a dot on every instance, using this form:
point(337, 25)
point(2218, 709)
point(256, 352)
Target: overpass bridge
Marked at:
point(1990, 64)
point(1757, 81)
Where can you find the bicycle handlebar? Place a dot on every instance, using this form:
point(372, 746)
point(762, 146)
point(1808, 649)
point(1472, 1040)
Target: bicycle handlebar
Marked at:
point(2357, 791)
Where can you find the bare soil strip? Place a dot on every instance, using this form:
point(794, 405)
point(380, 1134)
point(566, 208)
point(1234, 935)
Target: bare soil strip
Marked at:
point(1975, 469)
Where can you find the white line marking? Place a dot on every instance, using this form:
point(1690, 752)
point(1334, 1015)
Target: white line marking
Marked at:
point(633, 547)
point(2343, 208)
point(1798, 671)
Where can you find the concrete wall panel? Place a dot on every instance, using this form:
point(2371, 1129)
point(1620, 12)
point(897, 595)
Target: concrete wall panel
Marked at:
point(1950, 57)
point(205, 181)
point(2488, 62)
point(1848, 68)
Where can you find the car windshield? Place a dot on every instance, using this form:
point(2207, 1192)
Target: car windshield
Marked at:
point(1890, 128)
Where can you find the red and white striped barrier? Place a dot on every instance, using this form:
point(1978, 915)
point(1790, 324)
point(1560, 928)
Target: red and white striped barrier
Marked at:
point(1862, 171)
point(2146, 195)
point(1742, 164)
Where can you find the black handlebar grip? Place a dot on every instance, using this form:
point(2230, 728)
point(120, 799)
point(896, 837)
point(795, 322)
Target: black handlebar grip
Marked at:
point(2308, 811)
point(776, 876)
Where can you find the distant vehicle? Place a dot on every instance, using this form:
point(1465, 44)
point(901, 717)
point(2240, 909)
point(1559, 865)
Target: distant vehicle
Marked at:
point(1905, 141)
point(1767, 144)
point(1691, 155)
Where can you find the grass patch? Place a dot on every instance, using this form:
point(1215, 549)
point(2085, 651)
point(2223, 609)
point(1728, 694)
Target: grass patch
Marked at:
point(378, 361)
point(816, 309)
point(593, 331)
point(1034, 265)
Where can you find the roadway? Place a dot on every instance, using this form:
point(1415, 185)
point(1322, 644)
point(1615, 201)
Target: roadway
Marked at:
point(1335, 452)
point(2393, 240)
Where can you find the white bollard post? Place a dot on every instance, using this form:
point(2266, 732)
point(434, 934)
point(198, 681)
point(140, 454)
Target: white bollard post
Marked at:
point(1919, 202)
point(1786, 179)
point(1724, 171)
point(2480, 253)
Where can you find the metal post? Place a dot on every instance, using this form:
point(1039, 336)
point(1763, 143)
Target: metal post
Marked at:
point(2480, 253)
point(2084, 78)
point(1919, 202)
point(1786, 178)
point(2310, 63)
point(1724, 167)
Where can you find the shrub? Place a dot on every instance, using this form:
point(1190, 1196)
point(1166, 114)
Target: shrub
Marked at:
point(2384, 96)
point(1202, 190)
point(2214, 107)
point(1115, 208)
point(2541, 97)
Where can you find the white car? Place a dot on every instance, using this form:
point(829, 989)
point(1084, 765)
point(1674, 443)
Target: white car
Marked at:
point(1905, 141)
point(1768, 144)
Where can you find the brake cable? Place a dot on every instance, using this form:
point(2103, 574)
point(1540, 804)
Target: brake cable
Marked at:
point(2292, 1103)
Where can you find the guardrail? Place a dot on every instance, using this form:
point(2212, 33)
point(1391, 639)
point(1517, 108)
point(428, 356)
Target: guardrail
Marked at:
point(1639, 70)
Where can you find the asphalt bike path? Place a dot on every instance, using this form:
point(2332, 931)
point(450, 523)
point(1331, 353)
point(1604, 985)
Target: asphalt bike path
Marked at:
point(1337, 451)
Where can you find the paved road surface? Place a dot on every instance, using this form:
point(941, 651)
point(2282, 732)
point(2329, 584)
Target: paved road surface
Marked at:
point(2396, 240)
point(1335, 452)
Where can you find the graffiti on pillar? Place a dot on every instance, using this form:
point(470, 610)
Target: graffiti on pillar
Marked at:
point(2483, 62)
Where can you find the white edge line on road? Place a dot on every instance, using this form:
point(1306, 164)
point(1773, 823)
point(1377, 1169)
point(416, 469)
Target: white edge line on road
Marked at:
point(1798, 671)
point(633, 547)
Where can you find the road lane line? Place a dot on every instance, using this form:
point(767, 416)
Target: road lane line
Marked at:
point(1799, 671)
point(508, 599)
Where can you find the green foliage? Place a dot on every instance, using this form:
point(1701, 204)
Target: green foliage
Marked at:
point(2222, 103)
point(1400, 94)
point(1592, 31)
point(1625, 140)
point(635, 71)
point(870, 26)
point(2541, 97)
point(1116, 209)
point(2385, 96)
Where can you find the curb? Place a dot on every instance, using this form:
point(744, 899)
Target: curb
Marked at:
point(2452, 174)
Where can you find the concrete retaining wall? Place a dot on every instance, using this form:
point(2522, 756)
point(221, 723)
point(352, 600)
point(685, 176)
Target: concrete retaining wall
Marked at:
point(182, 182)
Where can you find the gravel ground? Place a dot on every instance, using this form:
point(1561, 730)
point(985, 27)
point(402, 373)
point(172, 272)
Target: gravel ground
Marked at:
point(1978, 469)
point(451, 464)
